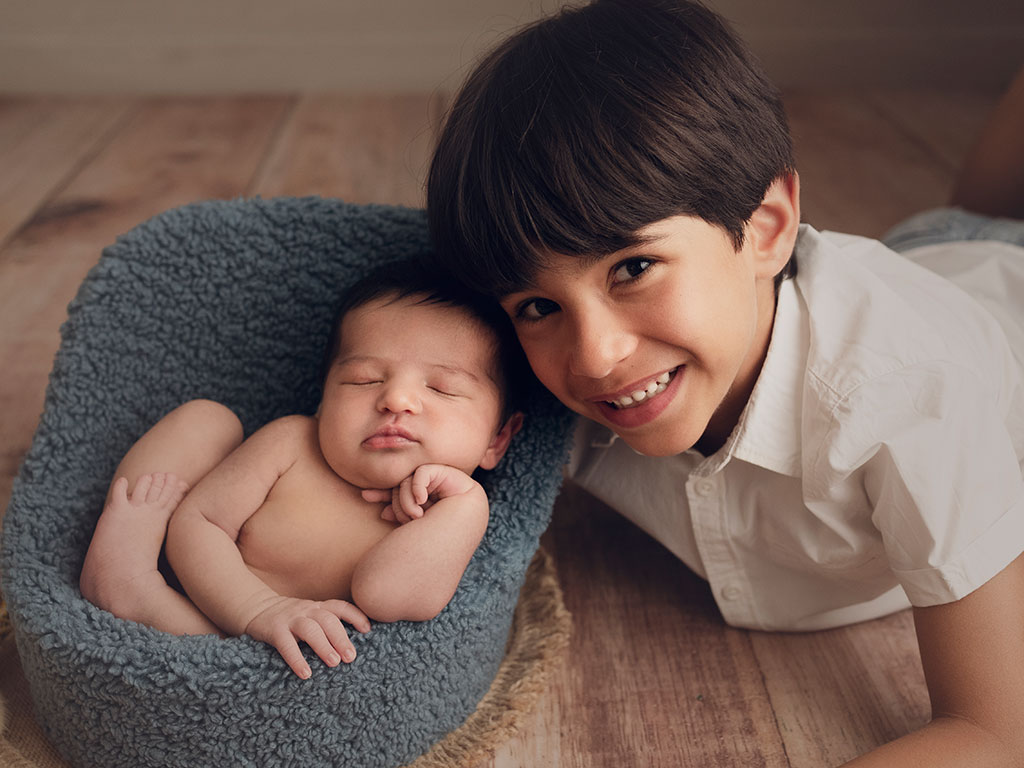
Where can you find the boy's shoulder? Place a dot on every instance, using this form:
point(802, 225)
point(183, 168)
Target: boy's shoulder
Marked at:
point(869, 348)
point(871, 312)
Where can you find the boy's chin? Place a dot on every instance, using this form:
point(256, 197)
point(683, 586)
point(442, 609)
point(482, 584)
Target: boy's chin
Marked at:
point(657, 445)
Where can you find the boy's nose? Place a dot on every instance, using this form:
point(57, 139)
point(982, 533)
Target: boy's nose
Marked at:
point(599, 345)
point(398, 398)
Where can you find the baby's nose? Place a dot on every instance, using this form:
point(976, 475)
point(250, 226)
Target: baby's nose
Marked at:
point(399, 398)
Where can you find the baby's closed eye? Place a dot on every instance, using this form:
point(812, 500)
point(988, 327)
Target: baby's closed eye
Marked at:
point(446, 388)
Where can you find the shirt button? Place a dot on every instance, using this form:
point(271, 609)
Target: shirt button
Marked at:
point(731, 592)
point(705, 487)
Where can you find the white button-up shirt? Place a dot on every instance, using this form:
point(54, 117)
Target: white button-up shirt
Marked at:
point(878, 463)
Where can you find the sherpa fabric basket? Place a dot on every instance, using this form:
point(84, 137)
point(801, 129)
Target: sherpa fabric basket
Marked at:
point(233, 301)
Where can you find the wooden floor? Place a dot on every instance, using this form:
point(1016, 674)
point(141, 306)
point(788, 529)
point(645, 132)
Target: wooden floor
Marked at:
point(653, 676)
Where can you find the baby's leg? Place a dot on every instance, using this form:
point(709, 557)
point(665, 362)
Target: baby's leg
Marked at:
point(120, 572)
point(188, 442)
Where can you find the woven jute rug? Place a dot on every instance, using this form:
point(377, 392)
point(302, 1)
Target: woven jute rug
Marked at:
point(539, 636)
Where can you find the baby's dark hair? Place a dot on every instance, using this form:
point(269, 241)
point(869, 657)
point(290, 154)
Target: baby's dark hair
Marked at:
point(587, 126)
point(406, 278)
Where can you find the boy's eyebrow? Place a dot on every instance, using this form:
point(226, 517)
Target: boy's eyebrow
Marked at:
point(585, 260)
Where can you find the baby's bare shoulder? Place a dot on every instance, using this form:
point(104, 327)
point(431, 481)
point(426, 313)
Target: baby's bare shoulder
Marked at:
point(294, 427)
point(283, 439)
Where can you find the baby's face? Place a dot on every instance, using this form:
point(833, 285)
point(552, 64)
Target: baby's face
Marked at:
point(411, 384)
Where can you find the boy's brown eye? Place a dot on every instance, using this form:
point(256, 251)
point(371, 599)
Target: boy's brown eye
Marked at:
point(535, 309)
point(631, 269)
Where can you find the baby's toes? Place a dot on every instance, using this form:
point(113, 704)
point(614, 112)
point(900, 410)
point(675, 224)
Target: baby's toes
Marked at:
point(140, 493)
point(174, 489)
point(156, 488)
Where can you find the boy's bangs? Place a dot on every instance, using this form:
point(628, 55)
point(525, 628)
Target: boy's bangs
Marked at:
point(596, 131)
point(535, 182)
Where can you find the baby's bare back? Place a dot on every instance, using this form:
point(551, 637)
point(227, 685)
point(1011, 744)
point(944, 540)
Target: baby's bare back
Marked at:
point(308, 535)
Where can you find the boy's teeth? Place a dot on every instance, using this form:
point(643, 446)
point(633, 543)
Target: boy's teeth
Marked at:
point(656, 387)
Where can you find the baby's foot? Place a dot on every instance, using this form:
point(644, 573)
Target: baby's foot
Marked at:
point(121, 564)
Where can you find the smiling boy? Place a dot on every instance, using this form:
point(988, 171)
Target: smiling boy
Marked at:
point(366, 509)
point(825, 430)
point(598, 346)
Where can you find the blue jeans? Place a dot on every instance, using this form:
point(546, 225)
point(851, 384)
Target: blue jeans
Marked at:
point(944, 225)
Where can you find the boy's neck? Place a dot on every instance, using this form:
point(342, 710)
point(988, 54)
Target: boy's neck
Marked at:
point(725, 418)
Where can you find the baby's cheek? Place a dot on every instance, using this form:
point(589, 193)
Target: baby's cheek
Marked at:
point(339, 455)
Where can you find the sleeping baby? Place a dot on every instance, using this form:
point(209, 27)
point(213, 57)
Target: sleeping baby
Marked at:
point(365, 510)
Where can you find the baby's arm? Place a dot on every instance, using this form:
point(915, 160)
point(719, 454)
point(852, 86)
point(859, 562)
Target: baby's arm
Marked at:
point(202, 549)
point(412, 573)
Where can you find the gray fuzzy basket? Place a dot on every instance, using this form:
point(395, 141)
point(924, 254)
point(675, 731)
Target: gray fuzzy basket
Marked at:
point(233, 301)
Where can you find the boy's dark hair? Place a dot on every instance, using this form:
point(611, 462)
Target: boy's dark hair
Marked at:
point(405, 278)
point(591, 124)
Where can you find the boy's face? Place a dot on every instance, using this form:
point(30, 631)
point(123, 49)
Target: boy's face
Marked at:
point(411, 385)
point(663, 342)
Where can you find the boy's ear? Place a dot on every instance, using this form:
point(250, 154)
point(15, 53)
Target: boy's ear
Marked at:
point(499, 444)
point(772, 229)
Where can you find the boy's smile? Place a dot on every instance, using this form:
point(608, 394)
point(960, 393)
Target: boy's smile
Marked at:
point(661, 342)
point(641, 401)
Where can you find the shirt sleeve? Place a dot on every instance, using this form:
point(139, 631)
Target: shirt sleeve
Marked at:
point(935, 459)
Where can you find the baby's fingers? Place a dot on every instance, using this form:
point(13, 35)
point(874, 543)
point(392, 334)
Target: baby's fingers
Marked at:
point(326, 637)
point(375, 494)
point(337, 645)
point(422, 479)
point(349, 613)
point(285, 643)
point(408, 500)
point(397, 507)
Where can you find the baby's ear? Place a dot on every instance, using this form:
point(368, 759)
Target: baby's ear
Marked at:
point(773, 227)
point(499, 444)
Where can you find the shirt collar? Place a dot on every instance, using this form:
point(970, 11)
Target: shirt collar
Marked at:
point(768, 433)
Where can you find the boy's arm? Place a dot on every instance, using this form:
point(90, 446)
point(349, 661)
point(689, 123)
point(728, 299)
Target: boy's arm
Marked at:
point(972, 651)
point(412, 573)
point(202, 548)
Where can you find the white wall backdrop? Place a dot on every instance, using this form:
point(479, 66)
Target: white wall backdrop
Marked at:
point(189, 46)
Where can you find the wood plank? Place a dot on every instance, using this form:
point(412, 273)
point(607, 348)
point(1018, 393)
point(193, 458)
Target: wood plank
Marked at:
point(860, 174)
point(539, 741)
point(363, 148)
point(42, 141)
point(171, 151)
point(653, 675)
point(841, 693)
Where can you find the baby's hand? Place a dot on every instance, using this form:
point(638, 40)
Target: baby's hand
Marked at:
point(286, 620)
point(419, 491)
